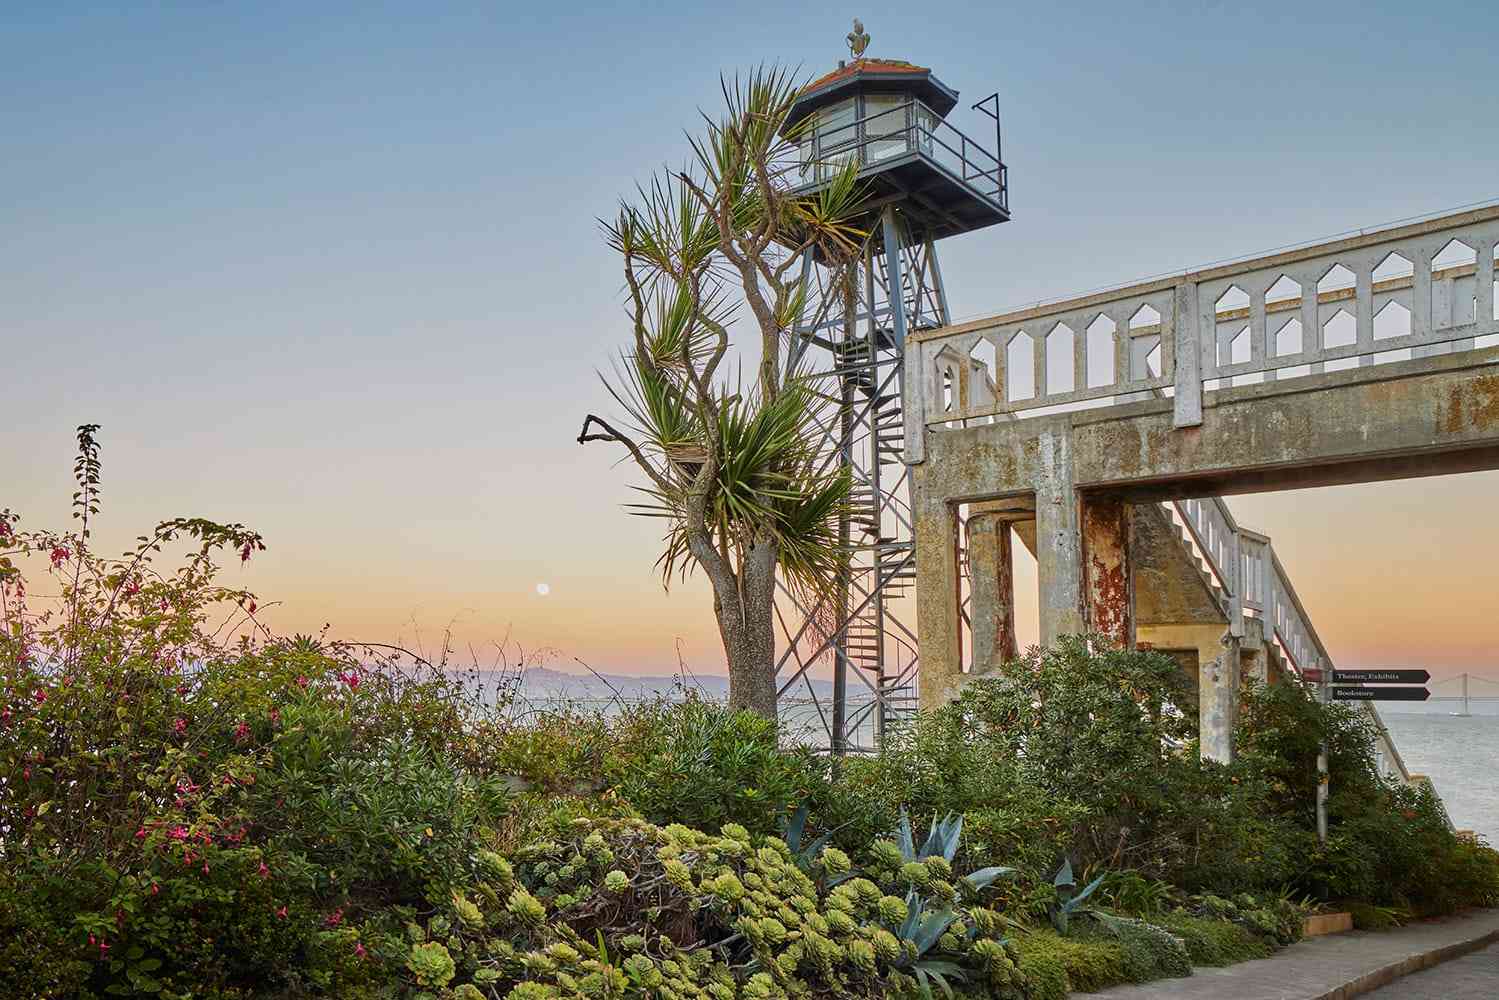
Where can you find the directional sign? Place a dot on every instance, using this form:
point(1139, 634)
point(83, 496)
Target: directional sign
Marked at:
point(1380, 676)
point(1380, 694)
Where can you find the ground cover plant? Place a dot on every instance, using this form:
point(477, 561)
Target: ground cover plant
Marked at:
point(191, 806)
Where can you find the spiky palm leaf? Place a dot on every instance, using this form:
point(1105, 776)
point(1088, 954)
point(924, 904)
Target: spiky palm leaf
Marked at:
point(767, 480)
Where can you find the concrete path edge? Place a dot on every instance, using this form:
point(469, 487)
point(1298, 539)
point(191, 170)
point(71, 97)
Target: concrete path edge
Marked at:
point(1331, 967)
point(1410, 964)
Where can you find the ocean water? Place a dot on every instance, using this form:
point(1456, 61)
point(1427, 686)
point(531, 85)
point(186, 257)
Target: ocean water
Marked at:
point(1460, 755)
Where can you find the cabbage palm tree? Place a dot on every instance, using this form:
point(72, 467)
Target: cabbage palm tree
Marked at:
point(730, 464)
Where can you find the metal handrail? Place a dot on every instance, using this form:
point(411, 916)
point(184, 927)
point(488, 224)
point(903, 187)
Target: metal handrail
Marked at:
point(920, 130)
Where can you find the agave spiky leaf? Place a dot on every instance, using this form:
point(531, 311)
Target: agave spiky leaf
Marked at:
point(985, 877)
point(904, 838)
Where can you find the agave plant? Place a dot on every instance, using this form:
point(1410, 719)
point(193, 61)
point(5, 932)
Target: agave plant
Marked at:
point(942, 841)
point(923, 928)
point(927, 918)
point(1069, 901)
point(805, 855)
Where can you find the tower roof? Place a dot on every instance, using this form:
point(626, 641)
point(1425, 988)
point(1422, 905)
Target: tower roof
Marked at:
point(874, 76)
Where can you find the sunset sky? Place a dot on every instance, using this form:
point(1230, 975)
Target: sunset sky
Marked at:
point(335, 273)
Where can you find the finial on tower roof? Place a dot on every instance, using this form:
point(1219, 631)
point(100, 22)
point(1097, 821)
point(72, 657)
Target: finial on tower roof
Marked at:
point(858, 40)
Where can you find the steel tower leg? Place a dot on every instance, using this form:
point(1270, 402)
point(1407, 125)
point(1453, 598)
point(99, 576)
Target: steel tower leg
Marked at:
point(853, 334)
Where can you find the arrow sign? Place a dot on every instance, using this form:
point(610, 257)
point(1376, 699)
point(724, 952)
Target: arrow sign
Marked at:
point(1380, 676)
point(1380, 694)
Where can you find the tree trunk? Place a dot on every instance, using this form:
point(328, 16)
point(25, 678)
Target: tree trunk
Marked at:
point(744, 606)
point(752, 673)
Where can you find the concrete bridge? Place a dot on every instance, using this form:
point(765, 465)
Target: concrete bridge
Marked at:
point(1103, 430)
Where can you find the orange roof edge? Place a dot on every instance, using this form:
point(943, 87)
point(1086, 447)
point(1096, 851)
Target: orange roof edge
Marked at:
point(864, 66)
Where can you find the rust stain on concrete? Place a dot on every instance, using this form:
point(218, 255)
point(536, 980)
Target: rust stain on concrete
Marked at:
point(1472, 406)
point(1108, 602)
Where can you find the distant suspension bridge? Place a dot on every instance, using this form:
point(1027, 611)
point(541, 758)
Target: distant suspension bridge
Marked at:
point(1488, 690)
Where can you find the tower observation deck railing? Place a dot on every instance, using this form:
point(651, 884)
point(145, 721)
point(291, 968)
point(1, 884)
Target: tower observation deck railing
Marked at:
point(907, 130)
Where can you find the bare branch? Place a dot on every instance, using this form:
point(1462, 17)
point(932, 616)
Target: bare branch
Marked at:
point(610, 434)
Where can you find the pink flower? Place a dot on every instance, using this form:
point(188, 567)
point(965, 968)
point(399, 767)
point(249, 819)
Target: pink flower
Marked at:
point(179, 724)
point(275, 715)
point(103, 948)
point(335, 918)
point(244, 553)
point(358, 949)
point(241, 732)
point(301, 682)
point(5, 531)
point(5, 715)
point(251, 608)
point(281, 913)
point(351, 678)
point(179, 832)
point(39, 696)
point(264, 871)
point(155, 888)
point(140, 834)
point(58, 555)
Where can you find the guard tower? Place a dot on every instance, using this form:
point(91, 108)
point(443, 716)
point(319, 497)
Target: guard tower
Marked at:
point(921, 180)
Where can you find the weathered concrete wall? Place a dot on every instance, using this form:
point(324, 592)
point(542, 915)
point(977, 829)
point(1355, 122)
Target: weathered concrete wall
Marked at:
point(1108, 570)
point(1430, 416)
point(1170, 588)
point(1218, 673)
point(992, 582)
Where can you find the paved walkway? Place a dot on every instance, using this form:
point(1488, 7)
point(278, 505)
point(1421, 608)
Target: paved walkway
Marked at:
point(1339, 966)
point(1473, 977)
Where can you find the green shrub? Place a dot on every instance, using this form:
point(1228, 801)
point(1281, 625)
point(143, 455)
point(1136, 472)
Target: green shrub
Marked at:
point(1215, 942)
point(701, 764)
point(1085, 964)
point(1151, 951)
point(1368, 917)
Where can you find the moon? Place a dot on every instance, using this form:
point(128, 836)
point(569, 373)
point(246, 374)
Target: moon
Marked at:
point(543, 589)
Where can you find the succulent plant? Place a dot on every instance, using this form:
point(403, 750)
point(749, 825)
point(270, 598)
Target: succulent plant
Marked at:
point(526, 908)
point(430, 964)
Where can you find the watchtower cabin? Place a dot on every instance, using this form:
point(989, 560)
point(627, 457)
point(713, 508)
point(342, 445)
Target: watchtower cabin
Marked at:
point(891, 118)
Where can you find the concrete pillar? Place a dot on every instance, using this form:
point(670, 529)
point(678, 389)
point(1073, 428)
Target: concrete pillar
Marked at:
point(992, 590)
point(1108, 575)
point(1059, 557)
point(938, 639)
point(1218, 701)
point(1254, 658)
point(1256, 665)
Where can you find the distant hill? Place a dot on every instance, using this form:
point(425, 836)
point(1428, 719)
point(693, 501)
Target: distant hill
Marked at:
point(540, 685)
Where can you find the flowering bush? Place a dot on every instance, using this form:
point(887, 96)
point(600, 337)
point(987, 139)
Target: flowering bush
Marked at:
point(192, 807)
